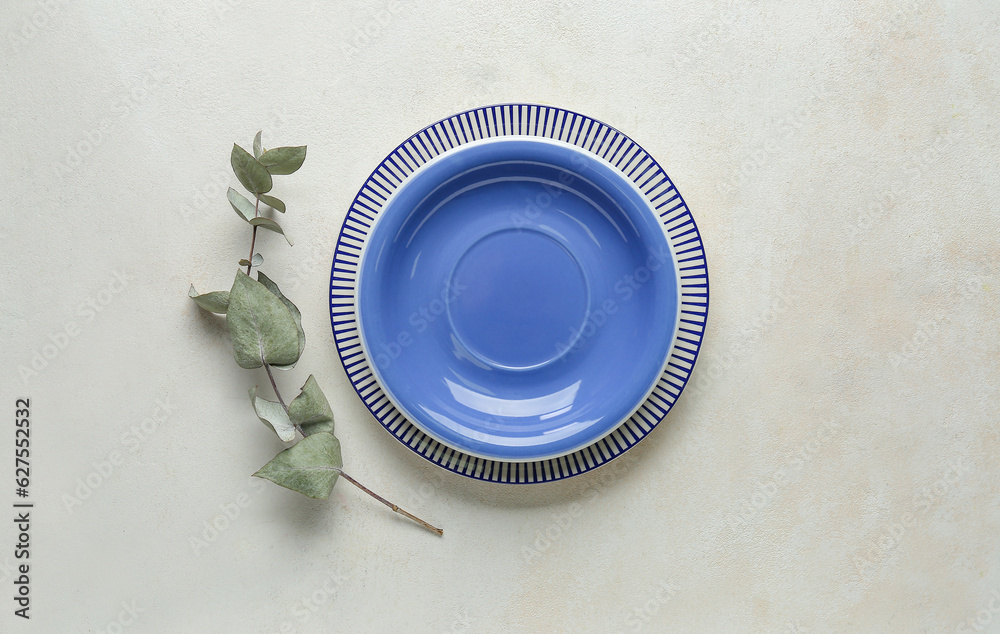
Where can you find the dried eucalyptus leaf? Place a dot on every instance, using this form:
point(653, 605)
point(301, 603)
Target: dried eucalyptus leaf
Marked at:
point(271, 286)
point(257, 149)
point(243, 207)
point(251, 173)
point(267, 223)
point(311, 466)
point(214, 302)
point(273, 415)
point(257, 259)
point(283, 160)
point(311, 409)
point(273, 203)
point(261, 326)
point(309, 429)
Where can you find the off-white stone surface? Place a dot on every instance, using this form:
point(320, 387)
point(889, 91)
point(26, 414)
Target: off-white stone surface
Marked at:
point(836, 469)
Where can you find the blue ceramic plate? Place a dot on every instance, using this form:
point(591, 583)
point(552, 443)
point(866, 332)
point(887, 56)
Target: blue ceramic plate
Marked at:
point(518, 298)
point(523, 295)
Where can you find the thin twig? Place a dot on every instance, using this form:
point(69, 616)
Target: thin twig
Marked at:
point(395, 508)
point(274, 386)
point(253, 240)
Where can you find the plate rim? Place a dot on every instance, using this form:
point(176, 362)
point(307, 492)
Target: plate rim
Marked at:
point(492, 122)
point(367, 246)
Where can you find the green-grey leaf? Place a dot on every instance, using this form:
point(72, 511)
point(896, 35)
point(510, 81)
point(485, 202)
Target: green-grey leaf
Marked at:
point(310, 466)
point(315, 428)
point(272, 202)
point(251, 173)
point(243, 207)
point(257, 260)
point(283, 160)
point(311, 409)
point(257, 149)
point(214, 302)
point(273, 415)
point(267, 223)
point(261, 326)
point(271, 286)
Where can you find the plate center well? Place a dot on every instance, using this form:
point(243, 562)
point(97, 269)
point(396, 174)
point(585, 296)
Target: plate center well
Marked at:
point(520, 299)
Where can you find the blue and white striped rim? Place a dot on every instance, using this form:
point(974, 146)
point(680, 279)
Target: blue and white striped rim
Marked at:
point(595, 137)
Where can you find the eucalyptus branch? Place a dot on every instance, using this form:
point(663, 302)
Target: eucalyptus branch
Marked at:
point(266, 331)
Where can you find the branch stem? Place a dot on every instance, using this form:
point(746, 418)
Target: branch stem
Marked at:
point(274, 386)
point(392, 506)
point(253, 240)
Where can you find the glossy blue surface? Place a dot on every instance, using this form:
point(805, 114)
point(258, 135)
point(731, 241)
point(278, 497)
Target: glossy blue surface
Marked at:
point(517, 298)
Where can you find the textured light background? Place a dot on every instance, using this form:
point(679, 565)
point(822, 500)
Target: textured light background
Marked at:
point(835, 469)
